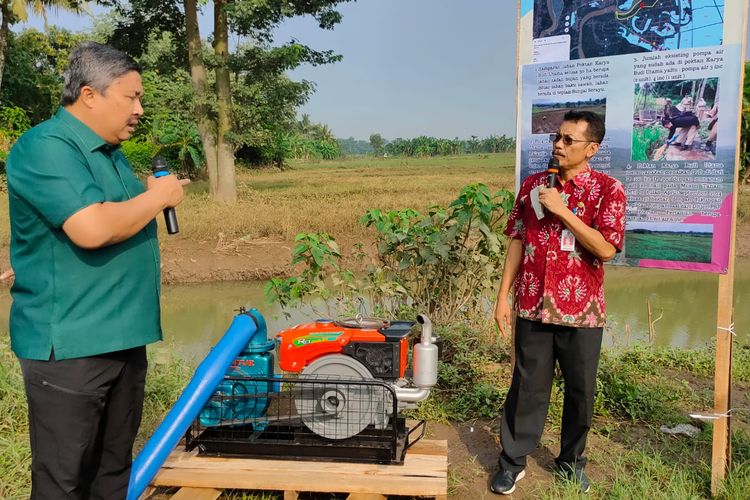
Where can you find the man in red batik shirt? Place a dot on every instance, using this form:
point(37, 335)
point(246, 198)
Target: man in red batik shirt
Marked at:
point(555, 263)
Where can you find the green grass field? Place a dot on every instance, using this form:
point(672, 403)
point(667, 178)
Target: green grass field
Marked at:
point(663, 245)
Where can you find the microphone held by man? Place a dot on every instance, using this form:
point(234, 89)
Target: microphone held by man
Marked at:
point(553, 168)
point(160, 169)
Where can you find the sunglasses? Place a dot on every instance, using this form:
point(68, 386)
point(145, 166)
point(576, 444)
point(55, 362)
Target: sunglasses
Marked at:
point(567, 140)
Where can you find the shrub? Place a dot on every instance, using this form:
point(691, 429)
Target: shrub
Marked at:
point(444, 263)
point(139, 153)
point(449, 260)
point(13, 123)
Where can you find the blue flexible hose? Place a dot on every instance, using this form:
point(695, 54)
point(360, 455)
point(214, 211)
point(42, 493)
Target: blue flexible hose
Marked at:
point(207, 377)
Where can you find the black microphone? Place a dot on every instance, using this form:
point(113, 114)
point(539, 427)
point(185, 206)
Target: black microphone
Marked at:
point(160, 169)
point(553, 167)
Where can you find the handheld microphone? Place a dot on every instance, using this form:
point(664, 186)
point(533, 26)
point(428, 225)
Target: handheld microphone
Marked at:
point(160, 169)
point(553, 167)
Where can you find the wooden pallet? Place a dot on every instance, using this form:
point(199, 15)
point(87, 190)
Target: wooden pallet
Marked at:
point(424, 473)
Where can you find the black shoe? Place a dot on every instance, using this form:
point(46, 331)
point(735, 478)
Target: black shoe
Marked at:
point(504, 481)
point(570, 473)
point(684, 147)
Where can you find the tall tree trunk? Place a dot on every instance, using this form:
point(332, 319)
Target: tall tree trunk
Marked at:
point(199, 78)
point(227, 189)
point(4, 31)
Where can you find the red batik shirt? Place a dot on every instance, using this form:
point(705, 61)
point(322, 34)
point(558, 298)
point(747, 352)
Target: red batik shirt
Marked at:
point(558, 286)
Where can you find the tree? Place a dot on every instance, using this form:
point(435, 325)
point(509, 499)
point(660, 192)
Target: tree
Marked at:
point(12, 11)
point(255, 19)
point(138, 23)
point(378, 144)
point(35, 63)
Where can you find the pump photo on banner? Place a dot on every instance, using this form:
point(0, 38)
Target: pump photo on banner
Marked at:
point(676, 120)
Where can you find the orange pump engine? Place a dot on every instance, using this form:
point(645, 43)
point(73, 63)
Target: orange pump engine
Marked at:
point(380, 346)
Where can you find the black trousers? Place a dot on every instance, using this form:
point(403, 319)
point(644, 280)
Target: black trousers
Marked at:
point(83, 417)
point(537, 347)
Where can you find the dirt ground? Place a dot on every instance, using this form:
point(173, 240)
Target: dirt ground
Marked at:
point(472, 458)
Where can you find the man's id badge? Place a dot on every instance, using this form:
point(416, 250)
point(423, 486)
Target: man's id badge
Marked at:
point(567, 241)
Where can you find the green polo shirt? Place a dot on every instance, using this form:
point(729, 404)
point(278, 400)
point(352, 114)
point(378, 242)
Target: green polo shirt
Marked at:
point(78, 302)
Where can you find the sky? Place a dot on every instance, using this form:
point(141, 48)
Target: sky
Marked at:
point(444, 68)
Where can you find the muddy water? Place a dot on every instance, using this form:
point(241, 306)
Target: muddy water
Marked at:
point(196, 315)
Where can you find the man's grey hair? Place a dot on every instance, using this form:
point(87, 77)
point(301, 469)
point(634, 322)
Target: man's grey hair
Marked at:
point(97, 66)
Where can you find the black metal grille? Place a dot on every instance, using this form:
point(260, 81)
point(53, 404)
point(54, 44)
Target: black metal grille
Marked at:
point(309, 418)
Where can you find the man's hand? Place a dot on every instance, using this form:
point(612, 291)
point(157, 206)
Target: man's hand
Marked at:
point(551, 200)
point(8, 275)
point(502, 316)
point(169, 187)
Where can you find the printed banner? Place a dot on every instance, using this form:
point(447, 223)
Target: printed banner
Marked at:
point(666, 75)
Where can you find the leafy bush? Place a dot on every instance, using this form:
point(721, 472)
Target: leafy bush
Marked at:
point(178, 140)
point(315, 149)
point(169, 126)
point(444, 263)
point(320, 254)
point(139, 153)
point(13, 123)
point(472, 374)
point(449, 260)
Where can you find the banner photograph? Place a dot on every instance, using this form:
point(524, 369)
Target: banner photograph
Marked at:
point(657, 71)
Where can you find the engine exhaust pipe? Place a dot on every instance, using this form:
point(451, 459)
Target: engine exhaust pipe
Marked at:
point(424, 365)
point(425, 356)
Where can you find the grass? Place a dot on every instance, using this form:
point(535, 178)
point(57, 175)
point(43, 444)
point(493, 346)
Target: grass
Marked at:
point(165, 381)
point(665, 245)
point(15, 456)
point(634, 461)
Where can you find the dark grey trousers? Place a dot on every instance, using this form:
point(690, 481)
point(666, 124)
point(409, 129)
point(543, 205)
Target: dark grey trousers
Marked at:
point(538, 346)
point(83, 417)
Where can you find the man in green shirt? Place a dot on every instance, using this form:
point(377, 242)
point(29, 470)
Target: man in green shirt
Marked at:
point(86, 290)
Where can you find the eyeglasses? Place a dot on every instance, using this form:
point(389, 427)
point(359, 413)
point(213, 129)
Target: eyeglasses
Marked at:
point(567, 140)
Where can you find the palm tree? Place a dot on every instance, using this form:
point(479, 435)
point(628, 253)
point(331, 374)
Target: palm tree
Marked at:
point(305, 125)
point(13, 11)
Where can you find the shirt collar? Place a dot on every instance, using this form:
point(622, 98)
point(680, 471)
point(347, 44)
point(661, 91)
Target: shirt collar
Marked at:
point(90, 139)
point(582, 178)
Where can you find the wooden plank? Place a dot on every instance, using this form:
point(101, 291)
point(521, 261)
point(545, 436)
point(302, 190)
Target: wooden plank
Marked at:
point(428, 447)
point(365, 496)
point(721, 445)
point(196, 494)
point(721, 448)
point(422, 474)
point(342, 482)
point(414, 465)
point(147, 493)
